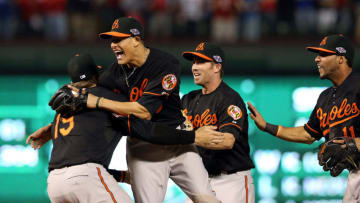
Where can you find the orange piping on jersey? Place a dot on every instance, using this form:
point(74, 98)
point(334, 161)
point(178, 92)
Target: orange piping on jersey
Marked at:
point(311, 128)
point(326, 132)
point(156, 94)
point(159, 109)
point(246, 189)
point(338, 122)
point(56, 126)
point(106, 187)
point(226, 124)
point(129, 123)
point(278, 131)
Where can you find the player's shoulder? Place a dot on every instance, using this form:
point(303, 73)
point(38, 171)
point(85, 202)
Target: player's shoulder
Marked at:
point(354, 79)
point(191, 95)
point(227, 92)
point(163, 58)
point(325, 92)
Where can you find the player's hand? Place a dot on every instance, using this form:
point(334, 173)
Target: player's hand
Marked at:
point(91, 99)
point(39, 137)
point(207, 136)
point(256, 116)
point(343, 145)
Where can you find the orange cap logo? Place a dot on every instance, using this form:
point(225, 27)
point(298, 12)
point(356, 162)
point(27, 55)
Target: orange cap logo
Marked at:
point(323, 42)
point(200, 47)
point(115, 25)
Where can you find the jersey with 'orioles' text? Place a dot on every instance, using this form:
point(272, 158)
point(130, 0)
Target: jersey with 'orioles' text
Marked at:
point(223, 108)
point(336, 113)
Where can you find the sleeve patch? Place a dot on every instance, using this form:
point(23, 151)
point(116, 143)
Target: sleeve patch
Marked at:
point(234, 112)
point(169, 82)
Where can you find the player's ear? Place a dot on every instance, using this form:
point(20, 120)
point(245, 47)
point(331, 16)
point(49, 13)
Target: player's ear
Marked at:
point(137, 41)
point(341, 59)
point(218, 67)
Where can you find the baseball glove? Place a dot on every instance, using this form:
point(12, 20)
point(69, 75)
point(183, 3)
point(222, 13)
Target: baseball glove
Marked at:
point(338, 156)
point(66, 103)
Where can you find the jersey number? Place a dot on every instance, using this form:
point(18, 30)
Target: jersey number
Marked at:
point(63, 131)
point(351, 129)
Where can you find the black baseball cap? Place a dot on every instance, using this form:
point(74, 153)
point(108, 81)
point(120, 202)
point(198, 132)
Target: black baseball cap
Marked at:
point(335, 44)
point(207, 51)
point(124, 27)
point(82, 67)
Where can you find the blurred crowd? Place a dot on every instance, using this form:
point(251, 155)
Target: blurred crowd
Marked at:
point(224, 21)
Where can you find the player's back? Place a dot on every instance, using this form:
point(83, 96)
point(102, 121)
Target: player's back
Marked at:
point(89, 136)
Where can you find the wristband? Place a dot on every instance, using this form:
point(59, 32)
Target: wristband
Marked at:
point(272, 129)
point(98, 101)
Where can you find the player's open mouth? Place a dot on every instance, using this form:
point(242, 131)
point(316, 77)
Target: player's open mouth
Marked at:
point(196, 75)
point(119, 54)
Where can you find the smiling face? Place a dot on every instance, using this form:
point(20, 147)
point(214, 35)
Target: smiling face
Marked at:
point(328, 65)
point(123, 49)
point(203, 71)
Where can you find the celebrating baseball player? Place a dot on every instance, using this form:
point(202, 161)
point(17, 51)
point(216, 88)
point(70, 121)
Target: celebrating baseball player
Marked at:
point(228, 163)
point(335, 116)
point(83, 145)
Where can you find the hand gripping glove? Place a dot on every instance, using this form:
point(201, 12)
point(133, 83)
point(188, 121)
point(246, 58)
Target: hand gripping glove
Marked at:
point(338, 156)
point(66, 103)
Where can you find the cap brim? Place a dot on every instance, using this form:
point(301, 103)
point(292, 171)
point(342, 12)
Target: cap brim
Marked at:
point(189, 55)
point(107, 35)
point(318, 49)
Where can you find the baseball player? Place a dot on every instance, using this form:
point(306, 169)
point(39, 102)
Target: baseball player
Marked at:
point(150, 78)
point(228, 163)
point(336, 113)
point(83, 145)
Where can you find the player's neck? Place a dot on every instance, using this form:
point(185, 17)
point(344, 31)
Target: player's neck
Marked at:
point(140, 58)
point(211, 86)
point(337, 81)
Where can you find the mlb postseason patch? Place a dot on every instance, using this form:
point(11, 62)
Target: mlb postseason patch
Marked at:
point(234, 112)
point(341, 50)
point(135, 31)
point(169, 82)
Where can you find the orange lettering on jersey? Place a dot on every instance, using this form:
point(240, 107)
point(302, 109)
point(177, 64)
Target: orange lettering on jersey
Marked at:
point(204, 119)
point(137, 92)
point(200, 47)
point(66, 131)
point(346, 110)
point(115, 25)
point(323, 42)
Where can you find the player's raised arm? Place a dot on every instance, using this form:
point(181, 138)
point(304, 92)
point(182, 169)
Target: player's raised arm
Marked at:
point(293, 134)
point(122, 108)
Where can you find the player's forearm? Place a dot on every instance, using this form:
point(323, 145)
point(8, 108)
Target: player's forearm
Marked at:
point(227, 144)
point(125, 108)
point(295, 134)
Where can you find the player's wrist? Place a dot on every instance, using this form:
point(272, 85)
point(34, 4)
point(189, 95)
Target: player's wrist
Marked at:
point(272, 129)
point(98, 102)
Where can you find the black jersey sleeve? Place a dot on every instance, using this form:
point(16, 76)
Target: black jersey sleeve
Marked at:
point(232, 117)
point(313, 125)
point(160, 133)
point(163, 83)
